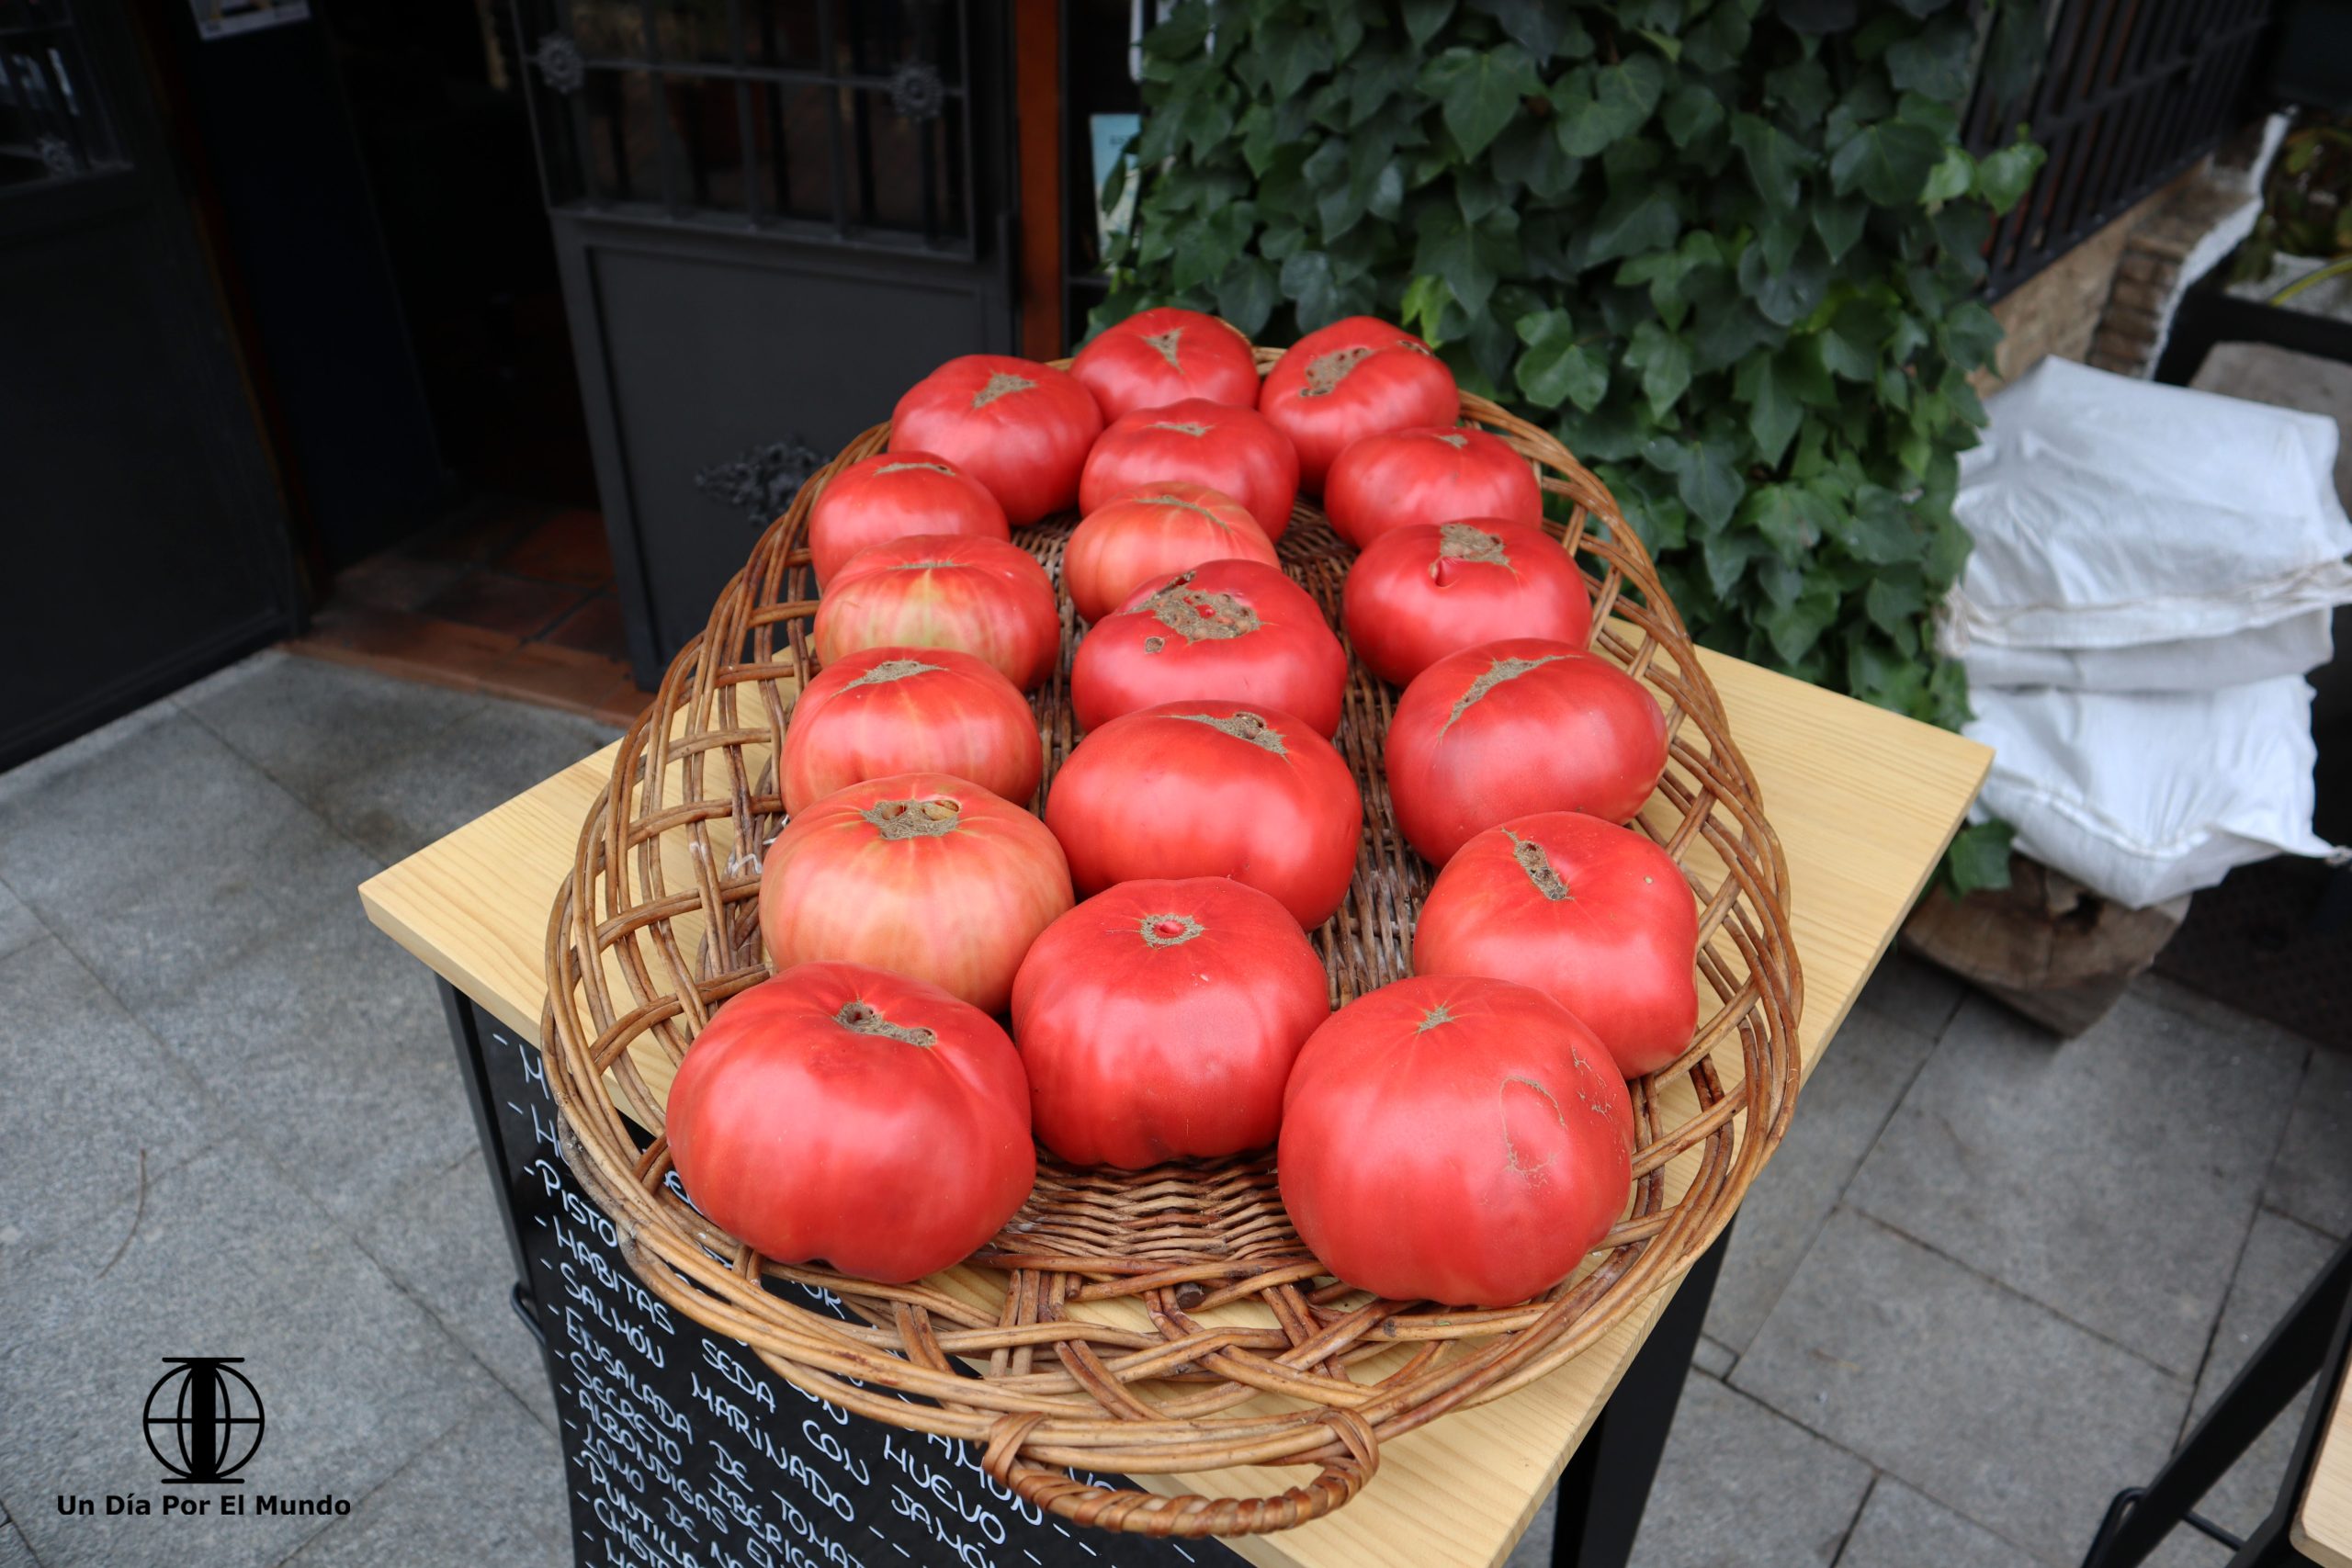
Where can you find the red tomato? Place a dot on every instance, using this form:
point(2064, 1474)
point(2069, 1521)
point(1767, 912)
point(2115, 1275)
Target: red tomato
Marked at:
point(910, 710)
point(1354, 379)
point(924, 875)
point(1594, 916)
point(1161, 356)
point(1158, 1020)
point(1211, 789)
point(890, 495)
point(1228, 449)
point(1455, 1140)
point(1151, 533)
point(1019, 427)
point(1430, 475)
point(1229, 628)
point(841, 1113)
point(978, 596)
point(1420, 592)
point(1508, 727)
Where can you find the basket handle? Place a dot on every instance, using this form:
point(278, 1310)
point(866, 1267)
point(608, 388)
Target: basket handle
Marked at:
point(1188, 1514)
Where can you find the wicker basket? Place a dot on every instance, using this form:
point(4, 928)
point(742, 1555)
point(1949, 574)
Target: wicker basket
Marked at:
point(1167, 1321)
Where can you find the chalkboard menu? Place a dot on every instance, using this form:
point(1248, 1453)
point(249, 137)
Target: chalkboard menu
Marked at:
point(680, 1448)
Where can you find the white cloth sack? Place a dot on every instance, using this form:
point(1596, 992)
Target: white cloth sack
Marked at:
point(2290, 647)
point(2111, 513)
point(2147, 796)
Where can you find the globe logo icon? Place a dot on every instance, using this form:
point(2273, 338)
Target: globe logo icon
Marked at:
point(204, 1420)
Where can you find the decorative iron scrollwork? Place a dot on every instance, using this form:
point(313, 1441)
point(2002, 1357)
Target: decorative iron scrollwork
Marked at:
point(761, 481)
point(560, 64)
point(916, 91)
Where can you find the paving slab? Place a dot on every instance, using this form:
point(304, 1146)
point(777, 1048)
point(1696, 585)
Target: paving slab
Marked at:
point(309, 724)
point(481, 761)
point(1913, 992)
point(492, 1491)
point(1713, 1357)
point(2311, 1178)
point(2110, 1177)
point(1984, 1400)
point(84, 1091)
point(14, 1553)
point(1902, 1529)
point(229, 1259)
point(1839, 1115)
point(19, 927)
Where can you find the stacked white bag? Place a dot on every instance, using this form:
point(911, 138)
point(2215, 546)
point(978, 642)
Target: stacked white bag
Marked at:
point(2153, 573)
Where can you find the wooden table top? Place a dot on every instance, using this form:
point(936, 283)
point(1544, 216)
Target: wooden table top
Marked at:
point(2322, 1527)
point(1864, 802)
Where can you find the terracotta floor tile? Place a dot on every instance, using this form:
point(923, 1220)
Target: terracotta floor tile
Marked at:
point(569, 547)
point(393, 581)
point(479, 533)
point(559, 677)
point(403, 642)
point(594, 627)
point(517, 606)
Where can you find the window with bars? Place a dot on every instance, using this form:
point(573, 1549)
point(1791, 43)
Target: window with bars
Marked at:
point(848, 119)
point(52, 126)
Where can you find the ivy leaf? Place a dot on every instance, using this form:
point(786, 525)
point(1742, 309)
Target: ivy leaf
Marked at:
point(1979, 857)
point(1642, 218)
point(1934, 61)
point(1794, 628)
point(1536, 25)
point(1708, 484)
point(1480, 91)
point(1801, 91)
point(1727, 557)
point(1949, 178)
point(1602, 105)
point(1691, 112)
point(1774, 163)
point(1529, 154)
point(1790, 294)
point(1789, 517)
point(1245, 294)
point(1425, 302)
point(1309, 283)
point(1557, 368)
point(1469, 258)
point(1291, 54)
point(1887, 163)
point(1877, 527)
point(2013, 55)
point(1839, 223)
point(2003, 176)
point(1664, 361)
point(1773, 413)
point(1845, 358)
point(1179, 33)
point(1893, 604)
point(1422, 18)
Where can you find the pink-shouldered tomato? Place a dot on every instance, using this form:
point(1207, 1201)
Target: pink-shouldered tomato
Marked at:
point(841, 1113)
point(1433, 474)
point(1456, 1140)
point(1154, 532)
point(910, 710)
point(1420, 592)
point(1164, 356)
point(980, 596)
point(1227, 628)
point(1158, 1020)
point(1021, 428)
point(1356, 377)
point(1232, 450)
point(891, 495)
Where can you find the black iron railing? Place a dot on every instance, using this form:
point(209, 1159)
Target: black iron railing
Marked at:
point(2130, 94)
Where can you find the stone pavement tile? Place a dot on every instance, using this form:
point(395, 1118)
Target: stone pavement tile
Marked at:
point(2111, 1176)
point(229, 1259)
point(159, 857)
point(1973, 1394)
point(1914, 992)
point(492, 1491)
point(330, 1045)
point(480, 763)
point(14, 1553)
point(1713, 1357)
point(1839, 1115)
point(2313, 1177)
point(19, 927)
point(442, 1240)
point(309, 724)
point(1900, 1529)
point(84, 1090)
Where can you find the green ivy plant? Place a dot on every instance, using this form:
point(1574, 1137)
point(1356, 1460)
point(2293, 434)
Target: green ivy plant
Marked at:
point(1734, 265)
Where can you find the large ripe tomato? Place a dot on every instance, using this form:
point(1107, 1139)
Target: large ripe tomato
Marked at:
point(1515, 726)
point(891, 495)
point(1019, 427)
point(1158, 1020)
point(924, 875)
point(1161, 356)
point(1431, 475)
point(1211, 789)
point(841, 1113)
point(984, 597)
point(1420, 592)
point(1229, 628)
point(1154, 532)
point(910, 710)
point(1228, 449)
point(1455, 1140)
point(1355, 377)
point(1593, 915)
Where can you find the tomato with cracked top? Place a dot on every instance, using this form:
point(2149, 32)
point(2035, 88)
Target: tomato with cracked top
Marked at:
point(1594, 916)
point(924, 875)
point(891, 495)
point(1232, 450)
point(1164, 356)
point(1433, 474)
point(1455, 1140)
point(910, 710)
point(1158, 1020)
point(1021, 428)
point(1227, 629)
point(1422, 592)
point(1211, 789)
point(1154, 532)
point(984, 597)
point(841, 1113)
point(1515, 726)
point(1355, 377)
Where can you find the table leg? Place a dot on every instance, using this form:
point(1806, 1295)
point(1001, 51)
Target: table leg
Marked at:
point(2310, 1339)
point(1607, 1482)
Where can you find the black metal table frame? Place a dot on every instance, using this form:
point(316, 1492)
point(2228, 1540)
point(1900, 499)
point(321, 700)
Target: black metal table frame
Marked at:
point(1601, 1494)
